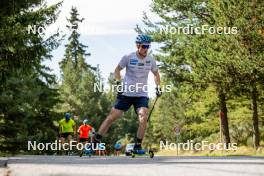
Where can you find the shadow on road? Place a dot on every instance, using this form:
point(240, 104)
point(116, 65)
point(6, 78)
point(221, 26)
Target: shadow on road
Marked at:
point(140, 160)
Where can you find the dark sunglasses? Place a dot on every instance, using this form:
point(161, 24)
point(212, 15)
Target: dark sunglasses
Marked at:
point(145, 46)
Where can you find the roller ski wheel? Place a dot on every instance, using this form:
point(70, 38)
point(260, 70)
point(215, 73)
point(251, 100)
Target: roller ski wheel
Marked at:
point(86, 152)
point(142, 153)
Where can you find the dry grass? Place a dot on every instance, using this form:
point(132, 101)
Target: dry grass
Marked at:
point(241, 151)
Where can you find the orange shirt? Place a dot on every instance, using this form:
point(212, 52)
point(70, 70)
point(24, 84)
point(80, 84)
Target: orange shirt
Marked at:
point(84, 131)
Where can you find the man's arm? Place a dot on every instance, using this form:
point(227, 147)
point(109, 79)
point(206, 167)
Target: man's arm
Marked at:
point(78, 131)
point(74, 126)
point(75, 129)
point(156, 77)
point(117, 73)
point(60, 129)
point(157, 81)
point(122, 64)
point(93, 130)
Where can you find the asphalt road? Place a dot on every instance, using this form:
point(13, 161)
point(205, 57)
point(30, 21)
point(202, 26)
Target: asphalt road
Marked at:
point(127, 166)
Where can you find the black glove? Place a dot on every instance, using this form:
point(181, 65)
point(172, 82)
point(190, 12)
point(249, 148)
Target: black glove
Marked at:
point(158, 91)
point(119, 87)
point(117, 82)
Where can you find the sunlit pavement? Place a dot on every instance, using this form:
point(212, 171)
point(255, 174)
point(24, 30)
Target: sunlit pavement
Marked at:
point(127, 166)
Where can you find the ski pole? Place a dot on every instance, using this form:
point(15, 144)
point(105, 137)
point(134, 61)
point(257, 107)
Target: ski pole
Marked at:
point(152, 108)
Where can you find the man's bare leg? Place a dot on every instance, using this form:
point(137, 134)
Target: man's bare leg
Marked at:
point(143, 119)
point(69, 138)
point(62, 139)
point(113, 115)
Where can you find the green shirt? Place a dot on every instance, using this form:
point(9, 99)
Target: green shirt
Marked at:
point(66, 127)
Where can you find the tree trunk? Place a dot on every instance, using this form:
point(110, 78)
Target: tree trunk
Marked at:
point(254, 97)
point(224, 120)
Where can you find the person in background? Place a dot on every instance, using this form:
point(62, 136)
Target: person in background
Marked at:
point(118, 147)
point(85, 131)
point(67, 128)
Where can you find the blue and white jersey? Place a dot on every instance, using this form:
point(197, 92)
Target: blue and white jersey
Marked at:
point(136, 77)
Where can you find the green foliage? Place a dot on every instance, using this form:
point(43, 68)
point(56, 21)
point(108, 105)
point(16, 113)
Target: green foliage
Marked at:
point(78, 77)
point(26, 96)
point(200, 67)
point(231, 65)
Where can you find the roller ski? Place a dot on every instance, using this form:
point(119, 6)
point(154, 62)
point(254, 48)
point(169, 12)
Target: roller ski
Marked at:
point(90, 150)
point(138, 151)
point(87, 152)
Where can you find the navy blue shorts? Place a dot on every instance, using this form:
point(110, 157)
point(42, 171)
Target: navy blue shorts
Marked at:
point(124, 102)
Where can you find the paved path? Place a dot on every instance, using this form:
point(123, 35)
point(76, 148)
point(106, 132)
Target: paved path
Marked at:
point(126, 166)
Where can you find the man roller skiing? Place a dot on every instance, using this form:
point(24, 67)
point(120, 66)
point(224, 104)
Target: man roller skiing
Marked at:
point(134, 88)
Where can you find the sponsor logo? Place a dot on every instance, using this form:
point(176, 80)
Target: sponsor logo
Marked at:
point(140, 64)
point(133, 61)
point(148, 63)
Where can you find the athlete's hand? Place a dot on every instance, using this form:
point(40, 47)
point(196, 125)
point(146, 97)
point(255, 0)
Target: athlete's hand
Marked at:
point(117, 82)
point(118, 87)
point(158, 91)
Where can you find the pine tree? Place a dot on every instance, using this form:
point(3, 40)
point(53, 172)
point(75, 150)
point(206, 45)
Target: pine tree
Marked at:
point(74, 49)
point(26, 94)
point(78, 77)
